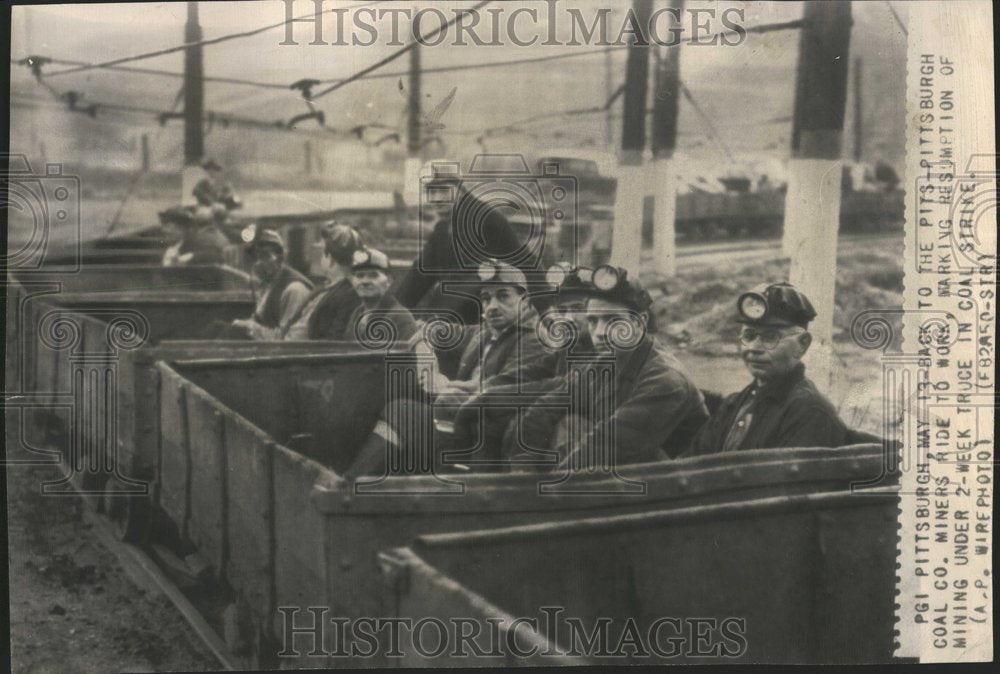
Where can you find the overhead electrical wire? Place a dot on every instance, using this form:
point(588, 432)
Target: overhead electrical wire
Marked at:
point(366, 73)
point(399, 52)
point(708, 122)
point(899, 21)
point(134, 182)
point(168, 73)
point(199, 43)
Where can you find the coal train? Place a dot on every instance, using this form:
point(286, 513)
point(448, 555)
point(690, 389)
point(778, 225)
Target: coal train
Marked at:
point(208, 448)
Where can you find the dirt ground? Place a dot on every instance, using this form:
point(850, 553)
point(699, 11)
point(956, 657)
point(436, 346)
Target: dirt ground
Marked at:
point(73, 608)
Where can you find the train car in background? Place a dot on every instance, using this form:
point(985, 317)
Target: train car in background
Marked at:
point(738, 209)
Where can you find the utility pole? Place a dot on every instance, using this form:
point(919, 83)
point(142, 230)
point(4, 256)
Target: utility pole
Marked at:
point(812, 203)
point(858, 120)
point(413, 118)
point(412, 163)
point(145, 152)
point(665, 112)
point(626, 235)
point(609, 89)
point(194, 104)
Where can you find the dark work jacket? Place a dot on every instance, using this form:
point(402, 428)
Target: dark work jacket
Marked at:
point(539, 369)
point(209, 192)
point(207, 244)
point(788, 412)
point(442, 260)
point(371, 334)
point(545, 369)
point(657, 410)
point(270, 314)
point(513, 348)
point(331, 316)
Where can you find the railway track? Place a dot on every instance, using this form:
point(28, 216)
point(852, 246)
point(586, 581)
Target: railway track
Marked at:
point(750, 251)
point(147, 572)
point(139, 564)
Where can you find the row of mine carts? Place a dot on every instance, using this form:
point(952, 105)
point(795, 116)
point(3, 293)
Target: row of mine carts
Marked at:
point(205, 447)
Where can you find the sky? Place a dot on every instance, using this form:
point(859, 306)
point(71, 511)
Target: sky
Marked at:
point(745, 92)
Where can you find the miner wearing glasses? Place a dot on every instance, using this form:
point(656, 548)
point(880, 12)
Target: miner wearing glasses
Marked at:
point(643, 409)
point(781, 407)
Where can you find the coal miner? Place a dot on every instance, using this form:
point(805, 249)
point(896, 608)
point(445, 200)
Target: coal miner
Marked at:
point(325, 314)
point(281, 290)
point(380, 318)
point(781, 407)
point(196, 238)
point(460, 232)
point(636, 403)
point(213, 189)
point(562, 330)
point(493, 351)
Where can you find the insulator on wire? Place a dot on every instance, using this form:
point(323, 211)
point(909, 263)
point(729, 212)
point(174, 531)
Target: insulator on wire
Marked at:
point(305, 86)
point(35, 63)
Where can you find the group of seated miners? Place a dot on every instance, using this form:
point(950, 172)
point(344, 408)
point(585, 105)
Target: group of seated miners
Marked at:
point(561, 389)
point(581, 384)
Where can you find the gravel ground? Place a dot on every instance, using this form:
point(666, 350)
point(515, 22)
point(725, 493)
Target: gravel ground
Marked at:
point(73, 608)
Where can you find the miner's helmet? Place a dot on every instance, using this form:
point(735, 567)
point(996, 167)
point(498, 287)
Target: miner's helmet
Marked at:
point(569, 280)
point(775, 304)
point(613, 284)
point(494, 272)
point(254, 237)
point(369, 258)
point(339, 241)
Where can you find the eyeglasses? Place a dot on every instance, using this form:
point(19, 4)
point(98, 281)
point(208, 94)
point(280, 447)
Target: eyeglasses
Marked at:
point(767, 338)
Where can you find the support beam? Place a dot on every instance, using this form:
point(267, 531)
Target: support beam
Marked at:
point(626, 236)
point(413, 105)
point(812, 203)
point(859, 124)
point(194, 106)
point(609, 90)
point(412, 163)
point(665, 114)
point(145, 152)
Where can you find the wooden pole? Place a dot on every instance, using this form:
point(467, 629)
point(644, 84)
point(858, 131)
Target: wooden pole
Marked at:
point(812, 206)
point(144, 143)
point(626, 235)
point(858, 118)
point(413, 118)
point(609, 89)
point(194, 104)
point(665, 114)
point(412, 163)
